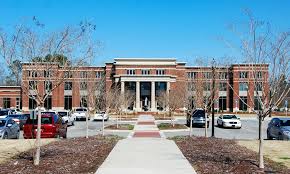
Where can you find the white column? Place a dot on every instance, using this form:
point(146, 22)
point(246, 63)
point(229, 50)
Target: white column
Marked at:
point(122, 88)
point(167, 92)
point(153, 106)
point(138, 96)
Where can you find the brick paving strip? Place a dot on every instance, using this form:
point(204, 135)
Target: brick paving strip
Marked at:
point(146, 151)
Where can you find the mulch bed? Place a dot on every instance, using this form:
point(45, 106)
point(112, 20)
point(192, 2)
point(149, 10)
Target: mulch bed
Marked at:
point(213, 155)
point(79, 155)
point(166, 126)
point(121, 127)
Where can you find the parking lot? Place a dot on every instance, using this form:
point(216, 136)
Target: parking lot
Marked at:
point(249, 130)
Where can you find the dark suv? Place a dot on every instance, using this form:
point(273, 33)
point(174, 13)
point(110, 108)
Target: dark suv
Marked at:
point(198, 118)
point(279, 128)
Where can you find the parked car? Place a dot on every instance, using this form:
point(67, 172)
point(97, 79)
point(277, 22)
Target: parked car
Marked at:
point(99, 116)
point(9, 128)
point(279, 128)
point(4, 113)
point(15, 111)
point(52, 126)
point(67, 117)
point(19, 119)
point(80, 113)
point(229, 121)
point(198, 118)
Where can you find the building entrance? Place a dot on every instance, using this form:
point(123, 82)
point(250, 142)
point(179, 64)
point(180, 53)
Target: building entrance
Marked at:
point(145, 95)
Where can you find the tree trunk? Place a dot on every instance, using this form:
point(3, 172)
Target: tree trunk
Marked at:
point(190, 129)
point(261, 149)
point(38, 137)
point(117, 121)
point(87, 125)
point(103, 126)
point(205, 132)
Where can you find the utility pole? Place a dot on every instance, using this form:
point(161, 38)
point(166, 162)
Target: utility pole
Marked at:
point(212, 98)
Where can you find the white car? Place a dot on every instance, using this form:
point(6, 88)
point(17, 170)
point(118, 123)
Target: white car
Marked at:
point(67, 117)
point(80, 113)
point(229, 121)
point(99, 116)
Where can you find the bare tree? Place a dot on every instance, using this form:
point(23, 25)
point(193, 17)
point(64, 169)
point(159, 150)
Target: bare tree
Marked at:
point(267, 55)
point(41, 53)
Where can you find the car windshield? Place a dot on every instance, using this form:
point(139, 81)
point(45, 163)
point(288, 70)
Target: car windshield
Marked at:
point(2, 123)
point(44, 120)
point(62, 114)
point(100, 112)
point(230, 117)
point(285, 122)
point(198, 113)
point(80, 109)
point(14, 116)
point(3, 113)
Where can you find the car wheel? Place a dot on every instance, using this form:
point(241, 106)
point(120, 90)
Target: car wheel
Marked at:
point(269, 136)
point(5, 136)
point(223, 124)
point(17, 136)
point(64, 136)
point(280, 137)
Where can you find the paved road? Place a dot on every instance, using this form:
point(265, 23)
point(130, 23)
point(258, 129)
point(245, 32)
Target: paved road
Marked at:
point(249, 130)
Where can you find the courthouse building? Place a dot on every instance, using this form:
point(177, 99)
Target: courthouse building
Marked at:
point(147, 78)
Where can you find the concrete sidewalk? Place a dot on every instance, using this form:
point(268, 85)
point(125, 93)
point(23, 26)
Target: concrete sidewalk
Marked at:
point(150, 154)
point(146, 156)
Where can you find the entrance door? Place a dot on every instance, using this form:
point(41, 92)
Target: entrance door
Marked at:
point(145, 95)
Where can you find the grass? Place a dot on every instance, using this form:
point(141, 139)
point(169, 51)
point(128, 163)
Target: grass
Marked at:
point(165, 126)
point(121, 127)
point(275, 150)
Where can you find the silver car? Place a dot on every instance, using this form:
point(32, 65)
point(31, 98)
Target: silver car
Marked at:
point(9, 128)
point(279, 128)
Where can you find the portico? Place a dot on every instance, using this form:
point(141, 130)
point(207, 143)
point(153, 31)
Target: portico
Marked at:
point(146, 89)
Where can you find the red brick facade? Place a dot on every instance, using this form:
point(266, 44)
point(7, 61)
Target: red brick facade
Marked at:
point(150, 73)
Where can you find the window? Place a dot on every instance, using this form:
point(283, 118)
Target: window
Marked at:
point(160, 71)
point(222, 103)
point(99, 74)
point(207, 75)
point(32, 85)
point(84, 74)
point(258, 104)
point(67, 102)
point(83, 86)
point(243, 103)
point(223, 75)
point(6, 103)
point(47, 73)
point(258, 86)
point(243, 86)
point(192, 75)
point(67, 85)
point(32, 73)
point(258, 75)
point(131, 72)
point(83, 102)
point(18, 103)
point(145, 71)
point(207, 86)
point(67, 74)
point(243, 75)
point(223, 86)
point(32, 102)
point(47, 103)
point(48, 86)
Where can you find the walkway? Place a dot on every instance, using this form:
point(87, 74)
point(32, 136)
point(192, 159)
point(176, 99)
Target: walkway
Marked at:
point(146, 152)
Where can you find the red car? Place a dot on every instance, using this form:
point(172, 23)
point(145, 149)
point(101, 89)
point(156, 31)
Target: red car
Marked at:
point(51, 127)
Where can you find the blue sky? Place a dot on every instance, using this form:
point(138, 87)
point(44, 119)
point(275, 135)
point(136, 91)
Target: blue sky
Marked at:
point(184, 29)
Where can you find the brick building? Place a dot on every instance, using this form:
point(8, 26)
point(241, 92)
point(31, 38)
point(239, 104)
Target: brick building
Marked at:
point(10, 97)
point(146, 79)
